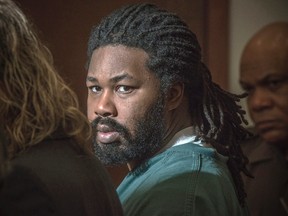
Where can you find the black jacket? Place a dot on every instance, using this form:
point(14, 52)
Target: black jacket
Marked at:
point(54, 178)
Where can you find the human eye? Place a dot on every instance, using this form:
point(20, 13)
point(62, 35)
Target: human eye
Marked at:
point(274, 84)
point(94, 89)
point(124, 89)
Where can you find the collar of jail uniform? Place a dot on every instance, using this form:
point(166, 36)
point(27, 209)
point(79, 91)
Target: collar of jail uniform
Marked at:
point(184, 136)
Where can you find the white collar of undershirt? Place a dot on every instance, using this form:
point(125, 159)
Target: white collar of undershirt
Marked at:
point(183, 136)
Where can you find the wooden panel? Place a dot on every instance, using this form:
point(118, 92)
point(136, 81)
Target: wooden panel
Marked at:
point(217, 40)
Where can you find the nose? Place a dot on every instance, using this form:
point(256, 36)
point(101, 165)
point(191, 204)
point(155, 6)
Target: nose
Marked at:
point(105, 106)
point(259, 100)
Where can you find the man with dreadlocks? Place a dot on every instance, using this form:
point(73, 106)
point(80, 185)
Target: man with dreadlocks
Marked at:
point(153, 105)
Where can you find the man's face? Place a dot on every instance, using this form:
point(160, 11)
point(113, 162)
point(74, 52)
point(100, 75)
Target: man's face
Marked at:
point(124, 105)
point(264, 76)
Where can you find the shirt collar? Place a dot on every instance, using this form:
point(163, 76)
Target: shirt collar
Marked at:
point(183, 136)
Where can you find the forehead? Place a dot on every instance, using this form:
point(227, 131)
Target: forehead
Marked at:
point(109, 60)
point(259, 62)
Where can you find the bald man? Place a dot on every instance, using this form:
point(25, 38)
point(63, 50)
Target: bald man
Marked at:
point(264, 76)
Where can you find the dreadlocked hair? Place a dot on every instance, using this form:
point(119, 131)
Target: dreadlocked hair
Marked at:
point(175, 55)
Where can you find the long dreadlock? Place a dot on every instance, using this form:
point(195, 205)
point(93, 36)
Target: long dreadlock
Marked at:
point(175, 55)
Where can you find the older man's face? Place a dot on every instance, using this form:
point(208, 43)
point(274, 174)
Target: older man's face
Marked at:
point(264, 75)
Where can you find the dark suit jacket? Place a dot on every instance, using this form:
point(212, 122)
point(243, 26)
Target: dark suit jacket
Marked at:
point(23, 193)
point(70, 182)
point(269, 168)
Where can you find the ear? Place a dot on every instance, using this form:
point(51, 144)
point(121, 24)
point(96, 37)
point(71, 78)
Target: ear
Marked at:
point(175, 95)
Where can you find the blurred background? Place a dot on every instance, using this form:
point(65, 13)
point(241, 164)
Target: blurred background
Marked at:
point(222, 27)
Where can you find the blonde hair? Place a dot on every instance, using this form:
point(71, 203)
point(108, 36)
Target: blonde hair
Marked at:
point(35, 101)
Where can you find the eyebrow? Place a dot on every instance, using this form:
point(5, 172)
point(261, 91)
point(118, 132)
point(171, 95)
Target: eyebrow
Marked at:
point(113, 79)
point(266, 79)
point(273, 76)
point(91, 79)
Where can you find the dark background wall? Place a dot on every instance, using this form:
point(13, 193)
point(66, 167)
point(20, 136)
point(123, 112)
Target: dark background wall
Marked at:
point(64, 26)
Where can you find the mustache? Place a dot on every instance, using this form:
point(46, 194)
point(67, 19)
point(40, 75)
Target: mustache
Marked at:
point(111, 123)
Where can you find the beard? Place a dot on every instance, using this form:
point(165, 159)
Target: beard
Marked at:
point(148, 138)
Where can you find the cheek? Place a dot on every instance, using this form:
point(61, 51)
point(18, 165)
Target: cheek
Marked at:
point(90, 113)
point(129, 113)
point(281, 97)
point(249, 104)
point(283, 107)
point(130, 116)
point(90, 117)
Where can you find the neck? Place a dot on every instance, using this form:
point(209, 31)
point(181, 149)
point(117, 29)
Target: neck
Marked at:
point(176, 120)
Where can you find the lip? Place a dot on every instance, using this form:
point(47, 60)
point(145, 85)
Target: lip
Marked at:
point(265, 125)
point(104, 128)
point(106, 135)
